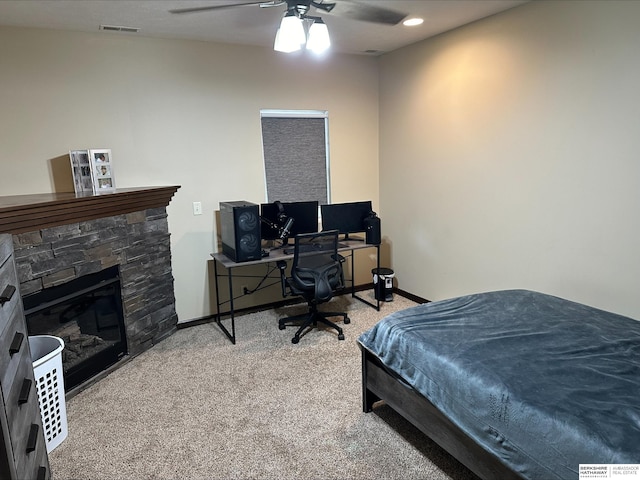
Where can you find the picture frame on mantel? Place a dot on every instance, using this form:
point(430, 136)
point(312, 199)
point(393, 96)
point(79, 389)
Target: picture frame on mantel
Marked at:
point(81, 171)
point(102, 170)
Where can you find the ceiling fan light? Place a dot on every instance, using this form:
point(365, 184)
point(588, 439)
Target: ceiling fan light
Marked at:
point(290, 36)
point(280, 45)
point(319, 40)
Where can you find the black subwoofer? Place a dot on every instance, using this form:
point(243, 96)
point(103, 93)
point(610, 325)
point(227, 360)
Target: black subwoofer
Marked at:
point(240, 230)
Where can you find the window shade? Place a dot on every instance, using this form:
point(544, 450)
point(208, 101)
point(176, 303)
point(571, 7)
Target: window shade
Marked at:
point(295, 159)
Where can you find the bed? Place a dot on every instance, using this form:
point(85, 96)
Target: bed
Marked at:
point(513, 383)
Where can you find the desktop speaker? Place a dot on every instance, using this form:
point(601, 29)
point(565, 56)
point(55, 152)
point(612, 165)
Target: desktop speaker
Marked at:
point(372, 229)
point(240, 230)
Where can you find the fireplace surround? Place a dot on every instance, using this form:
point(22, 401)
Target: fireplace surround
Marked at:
point(60, 238)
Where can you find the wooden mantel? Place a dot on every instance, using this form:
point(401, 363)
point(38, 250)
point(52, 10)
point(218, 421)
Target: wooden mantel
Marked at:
point(25, 213)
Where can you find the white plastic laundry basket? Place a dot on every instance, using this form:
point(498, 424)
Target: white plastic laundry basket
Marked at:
point(46, 355)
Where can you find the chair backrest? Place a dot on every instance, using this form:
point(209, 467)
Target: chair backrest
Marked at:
point(316, 266)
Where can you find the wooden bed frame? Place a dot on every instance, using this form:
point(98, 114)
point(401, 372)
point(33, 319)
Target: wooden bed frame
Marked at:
point(378, 383)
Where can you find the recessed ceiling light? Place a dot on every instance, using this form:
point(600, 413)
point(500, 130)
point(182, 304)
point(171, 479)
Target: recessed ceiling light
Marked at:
point(412, 22)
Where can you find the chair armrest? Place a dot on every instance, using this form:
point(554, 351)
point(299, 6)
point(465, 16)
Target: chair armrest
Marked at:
point(282, 266)
point(340, 259)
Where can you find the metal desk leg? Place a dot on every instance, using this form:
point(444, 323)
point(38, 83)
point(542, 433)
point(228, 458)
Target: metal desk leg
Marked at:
point(230, 335)
point(233, 318)
point(215, 274)
point(353, 275)
point(353, 283)
point(378, 267)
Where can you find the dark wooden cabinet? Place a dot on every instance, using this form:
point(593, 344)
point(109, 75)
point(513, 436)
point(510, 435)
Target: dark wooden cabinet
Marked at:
point(23, 451)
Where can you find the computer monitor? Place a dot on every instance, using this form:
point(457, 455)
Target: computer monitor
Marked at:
point(345, 217)
point(304, 214)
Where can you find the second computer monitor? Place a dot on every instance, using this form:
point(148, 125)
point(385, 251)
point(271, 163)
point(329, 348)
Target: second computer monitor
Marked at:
point(345, 217)
point(304, 214)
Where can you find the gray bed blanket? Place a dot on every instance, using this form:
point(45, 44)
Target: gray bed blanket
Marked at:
point(544, 383)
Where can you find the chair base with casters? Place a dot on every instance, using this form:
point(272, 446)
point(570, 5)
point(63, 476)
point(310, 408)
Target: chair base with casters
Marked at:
point(311, 320)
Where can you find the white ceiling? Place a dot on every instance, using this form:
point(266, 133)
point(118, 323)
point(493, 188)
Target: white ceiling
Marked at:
point(248, 24)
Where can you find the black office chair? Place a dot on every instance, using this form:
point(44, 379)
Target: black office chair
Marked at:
point(316, 274)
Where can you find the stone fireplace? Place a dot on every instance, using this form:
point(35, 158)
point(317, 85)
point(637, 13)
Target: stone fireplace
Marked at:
point(61, 239)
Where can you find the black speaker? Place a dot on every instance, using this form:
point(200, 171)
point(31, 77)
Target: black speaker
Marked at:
point(240, 230)
point(372, 229)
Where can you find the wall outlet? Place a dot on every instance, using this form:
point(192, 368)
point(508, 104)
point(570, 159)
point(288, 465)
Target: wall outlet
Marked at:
point(197, 208)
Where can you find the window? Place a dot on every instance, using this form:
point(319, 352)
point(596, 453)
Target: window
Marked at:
point(296, 155)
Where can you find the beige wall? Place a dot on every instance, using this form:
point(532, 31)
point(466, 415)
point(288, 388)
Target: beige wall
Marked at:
point(175, 113)
point(510, 155)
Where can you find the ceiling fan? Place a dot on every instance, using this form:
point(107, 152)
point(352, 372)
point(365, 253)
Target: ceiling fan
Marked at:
point(345, 8)
point(291, 35)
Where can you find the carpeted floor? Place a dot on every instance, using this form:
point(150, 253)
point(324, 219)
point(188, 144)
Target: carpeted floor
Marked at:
point(197, 407)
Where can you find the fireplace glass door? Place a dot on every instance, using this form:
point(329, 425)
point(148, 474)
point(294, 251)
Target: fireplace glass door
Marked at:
point(87, 314)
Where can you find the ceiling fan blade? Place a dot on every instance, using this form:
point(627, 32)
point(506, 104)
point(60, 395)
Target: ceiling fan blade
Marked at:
point(321, 5)
point(367, 12)
point(216, 7)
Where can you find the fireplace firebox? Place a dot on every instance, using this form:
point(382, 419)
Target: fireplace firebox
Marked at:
point(87, 314)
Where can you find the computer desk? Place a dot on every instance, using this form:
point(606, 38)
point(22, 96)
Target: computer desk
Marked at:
point(349, 247)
